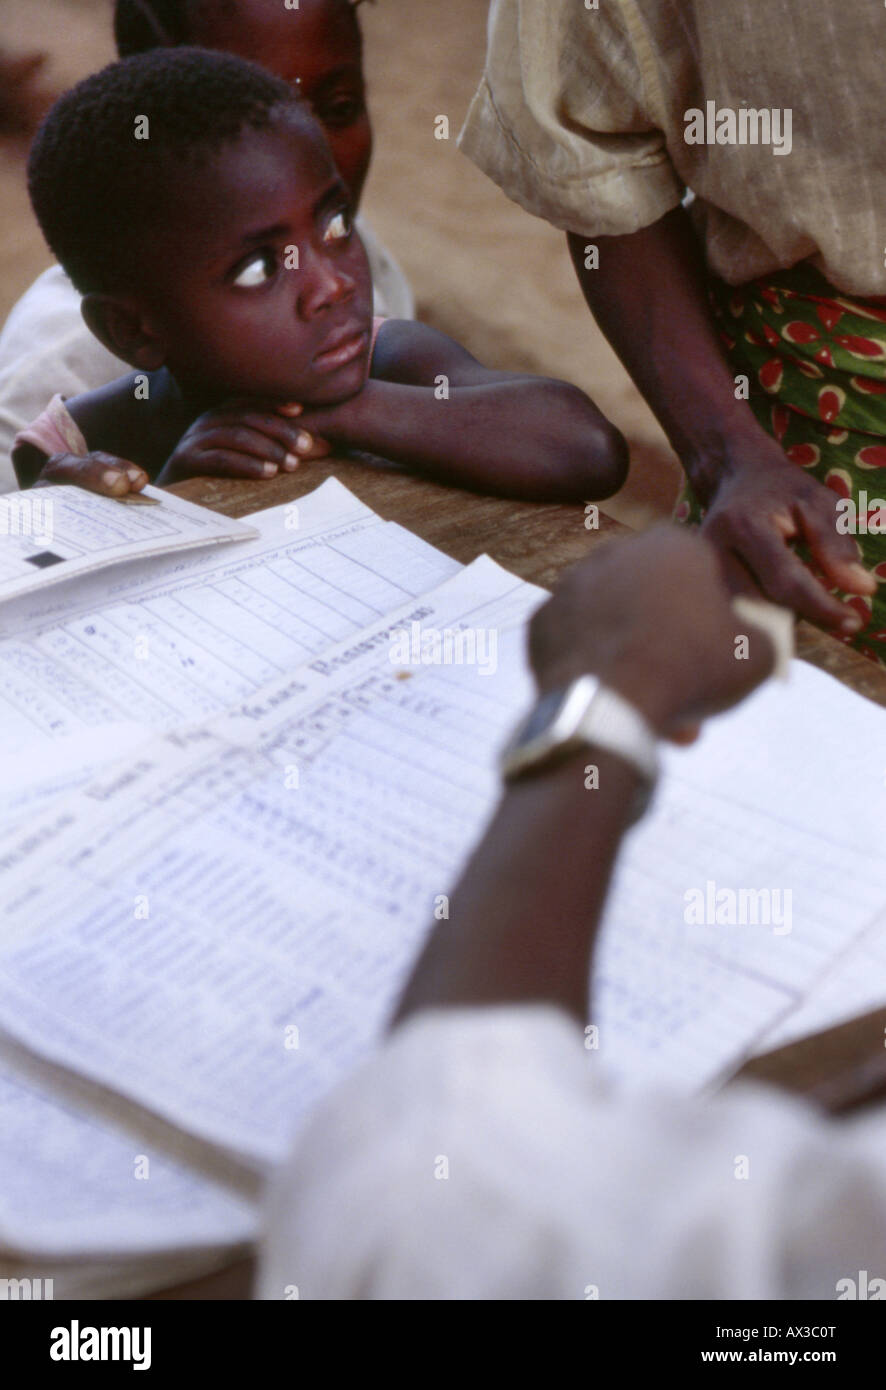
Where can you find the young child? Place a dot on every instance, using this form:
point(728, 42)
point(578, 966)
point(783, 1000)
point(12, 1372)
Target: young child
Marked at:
point(317, 48)
point(216, 255)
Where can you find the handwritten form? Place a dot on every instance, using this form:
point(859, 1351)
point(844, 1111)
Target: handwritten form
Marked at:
point(175, 640)
point(330, 544)
point(231, 914)
point(53, 534)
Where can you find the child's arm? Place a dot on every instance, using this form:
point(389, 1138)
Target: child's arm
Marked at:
point(95, 471)
point(140, 439)
point(430, 404)
point(53, 449)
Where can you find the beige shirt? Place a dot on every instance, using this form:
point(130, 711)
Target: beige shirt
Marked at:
point(581, 118)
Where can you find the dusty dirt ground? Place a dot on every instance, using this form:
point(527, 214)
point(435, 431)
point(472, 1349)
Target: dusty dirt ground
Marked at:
point(483, 270)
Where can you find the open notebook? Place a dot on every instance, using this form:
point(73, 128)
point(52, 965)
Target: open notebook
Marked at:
point(209, 933)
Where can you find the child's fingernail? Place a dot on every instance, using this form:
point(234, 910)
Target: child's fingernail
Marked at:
point(293, 408)
point(269, 469)
point(303, 441)
point(112, 477)
point(290, 462)
point(851, 624)
point(135, 475)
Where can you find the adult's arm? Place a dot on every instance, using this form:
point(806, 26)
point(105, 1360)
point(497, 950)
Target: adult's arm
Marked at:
point(522, 921)
point(648, 295)
point(473, 1156)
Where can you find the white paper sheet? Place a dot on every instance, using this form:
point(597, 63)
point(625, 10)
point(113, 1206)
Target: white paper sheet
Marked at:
point(328, 556)
point(171, 641)
point(77, 1175)
point(48, 535)
point(229, 919)
point(855, 985)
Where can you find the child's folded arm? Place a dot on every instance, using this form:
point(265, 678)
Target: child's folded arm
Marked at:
point(430, 404)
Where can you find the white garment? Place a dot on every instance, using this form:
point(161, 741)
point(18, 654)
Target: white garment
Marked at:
point(45, 347)
point(476, 1156)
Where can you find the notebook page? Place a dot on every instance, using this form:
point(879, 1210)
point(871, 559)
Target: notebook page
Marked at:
point(52, 534)
point(290, 857)
point(181, 646)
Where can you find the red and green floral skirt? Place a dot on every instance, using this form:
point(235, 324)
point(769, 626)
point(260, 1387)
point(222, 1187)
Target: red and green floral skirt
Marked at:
point(816, 365)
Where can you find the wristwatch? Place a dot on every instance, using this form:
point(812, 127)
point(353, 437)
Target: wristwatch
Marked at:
point(585, 713)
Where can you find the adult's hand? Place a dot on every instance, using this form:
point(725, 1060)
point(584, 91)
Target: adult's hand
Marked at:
point(762, 503)
point(652, 617)
point(650, 298)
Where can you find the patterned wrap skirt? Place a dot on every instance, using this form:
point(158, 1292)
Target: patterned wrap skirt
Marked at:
point(815, 360)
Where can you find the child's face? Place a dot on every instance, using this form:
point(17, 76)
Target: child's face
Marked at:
point(317, 49)
point(216, 288)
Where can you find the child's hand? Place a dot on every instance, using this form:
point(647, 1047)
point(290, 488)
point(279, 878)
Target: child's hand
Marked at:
point(242, 439)
point(96, 472)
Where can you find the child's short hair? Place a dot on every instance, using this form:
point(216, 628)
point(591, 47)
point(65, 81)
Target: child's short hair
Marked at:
point(97, 188)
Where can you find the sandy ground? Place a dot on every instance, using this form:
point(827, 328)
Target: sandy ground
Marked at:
point(483, 270)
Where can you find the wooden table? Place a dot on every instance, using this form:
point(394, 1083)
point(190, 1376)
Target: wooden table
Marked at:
point(837, 1070)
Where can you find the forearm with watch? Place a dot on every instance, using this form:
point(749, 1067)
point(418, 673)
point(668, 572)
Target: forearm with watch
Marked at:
point(622, 660)
point(522, 922)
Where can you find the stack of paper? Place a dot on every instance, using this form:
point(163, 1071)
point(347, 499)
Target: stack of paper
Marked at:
point(210, 933)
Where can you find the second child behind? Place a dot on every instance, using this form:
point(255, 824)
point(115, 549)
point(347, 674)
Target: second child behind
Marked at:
point(219, 259)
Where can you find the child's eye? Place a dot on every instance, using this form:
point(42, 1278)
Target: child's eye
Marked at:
point(340, 112)
point(339, 227)
point(256, 271)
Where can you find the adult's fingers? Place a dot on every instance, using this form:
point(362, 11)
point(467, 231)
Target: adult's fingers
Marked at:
point(96, 472)
point(835, 551)
point(736, 575)
point(784, 578)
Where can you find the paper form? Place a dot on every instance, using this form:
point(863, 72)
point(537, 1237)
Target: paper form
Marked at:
point(855, 985)
point(52, 534)
point(34, 776)
point(783, 793)
point(76, 1178)
point(172, 641)
point(286, 860)
point(220, 932)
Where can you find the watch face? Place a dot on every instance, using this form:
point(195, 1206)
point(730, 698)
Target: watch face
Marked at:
point(549, 728)
point(542, 716)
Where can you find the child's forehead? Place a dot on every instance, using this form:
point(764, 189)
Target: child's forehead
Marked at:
point(265, 176)
point(323, 32)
